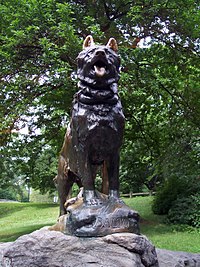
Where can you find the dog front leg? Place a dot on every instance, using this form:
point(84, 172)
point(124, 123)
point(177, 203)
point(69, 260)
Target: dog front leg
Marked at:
point(113, 175)
point(88, 174)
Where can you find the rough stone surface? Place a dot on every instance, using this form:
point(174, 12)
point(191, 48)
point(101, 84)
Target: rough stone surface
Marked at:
point(44, 248)
point(3, 246)
point(169, 258)
point(137, 244)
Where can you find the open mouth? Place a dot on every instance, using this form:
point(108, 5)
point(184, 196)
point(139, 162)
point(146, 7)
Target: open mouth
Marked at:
point(100, 68)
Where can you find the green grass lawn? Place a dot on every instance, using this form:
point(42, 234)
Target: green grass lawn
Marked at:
point(163, 235)
point(17, 219)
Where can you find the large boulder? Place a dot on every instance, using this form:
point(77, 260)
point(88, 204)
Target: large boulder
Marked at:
point(45, 248)
point(169, 258)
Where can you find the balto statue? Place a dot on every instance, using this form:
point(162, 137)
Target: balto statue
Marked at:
point(95, 132)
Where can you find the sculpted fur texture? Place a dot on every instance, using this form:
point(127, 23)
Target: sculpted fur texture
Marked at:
point(95, 132)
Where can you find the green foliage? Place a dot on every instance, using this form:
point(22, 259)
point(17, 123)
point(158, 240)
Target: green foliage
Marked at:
point(7, 194)
point(186, 210)
point(158, 104)
point(38, 46)
point(172, 195)
point(14, 192)
point(133, 168)
point(37, 197)
point(180, 173)
point(37, 53)
point(45, 167)
point(167, 194)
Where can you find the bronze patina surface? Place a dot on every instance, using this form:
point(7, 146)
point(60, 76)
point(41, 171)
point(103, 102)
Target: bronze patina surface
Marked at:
point(93, 139)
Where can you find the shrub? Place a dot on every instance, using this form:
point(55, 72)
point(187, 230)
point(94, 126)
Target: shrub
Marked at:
point(7, 194)
point(186, 210)
point(166, 195)
point(173, 189)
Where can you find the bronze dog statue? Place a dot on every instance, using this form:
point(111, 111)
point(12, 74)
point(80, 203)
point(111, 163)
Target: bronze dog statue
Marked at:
point(95, 132)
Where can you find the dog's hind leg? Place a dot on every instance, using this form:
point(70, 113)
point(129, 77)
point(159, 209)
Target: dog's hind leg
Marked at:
point(64, 182)
point(64, 186)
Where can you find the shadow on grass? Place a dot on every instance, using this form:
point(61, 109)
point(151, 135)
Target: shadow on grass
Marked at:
point(9, 208)
point(41, 205)
point(12, 236)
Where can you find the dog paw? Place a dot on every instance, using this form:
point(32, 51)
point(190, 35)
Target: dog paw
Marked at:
point(116, 200)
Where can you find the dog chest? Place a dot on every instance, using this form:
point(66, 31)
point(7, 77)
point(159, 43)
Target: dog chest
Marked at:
point(98, 127)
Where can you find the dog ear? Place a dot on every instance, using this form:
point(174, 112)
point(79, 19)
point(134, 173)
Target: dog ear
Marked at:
point(112, 43)
point(88, 42)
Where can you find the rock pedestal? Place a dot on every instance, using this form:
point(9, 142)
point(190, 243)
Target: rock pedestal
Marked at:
point(45, 248)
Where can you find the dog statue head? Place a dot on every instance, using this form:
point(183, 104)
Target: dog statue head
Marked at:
point(98, 65)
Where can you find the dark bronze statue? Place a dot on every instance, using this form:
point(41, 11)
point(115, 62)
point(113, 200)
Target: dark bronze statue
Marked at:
point(93, 138)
